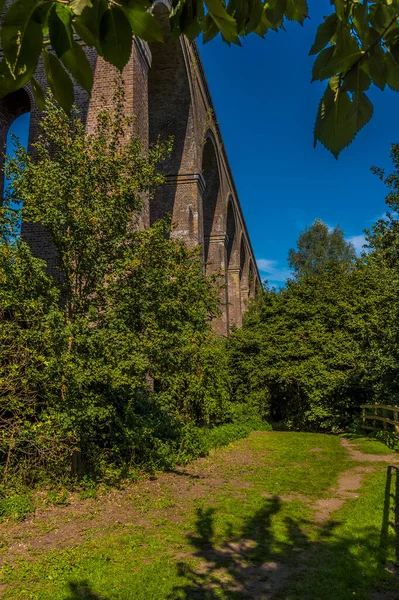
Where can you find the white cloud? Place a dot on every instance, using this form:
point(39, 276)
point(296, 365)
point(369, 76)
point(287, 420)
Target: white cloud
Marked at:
point(272, 271)
point(358, 241)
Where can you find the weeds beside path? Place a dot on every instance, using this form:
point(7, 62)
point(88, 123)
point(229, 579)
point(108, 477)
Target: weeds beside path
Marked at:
point(290, 516)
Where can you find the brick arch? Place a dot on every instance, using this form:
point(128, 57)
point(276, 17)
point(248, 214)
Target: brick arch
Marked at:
point(233, 264)
point(252, 279)
point(213, 217)
point(11, 107)
point(244, 274)
point(231, 234)
point(171, 114)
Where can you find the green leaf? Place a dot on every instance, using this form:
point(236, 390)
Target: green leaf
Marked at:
point(87, 24)
point(116, 37)
point(78, 6)
point(59, 81)
point(7, 82)
point(60, 26)
point(21, 39)
point(392, 65)
point(378, 68)
point(360, 20)
point(335, 123)
point(321, 62)
point(2, 5)
point(297, 10)
point(340, 6)
point(210, 29)
point(143, 24)
point(324, 33)
point(255, 16)
point(274, 13)
point(380, 16)
point(76, 61)
point(363, 110)
point(37, 93)
point(356, 80)
point(222, 19)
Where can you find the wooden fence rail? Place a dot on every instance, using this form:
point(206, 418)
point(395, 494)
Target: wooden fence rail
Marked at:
point(378, 413)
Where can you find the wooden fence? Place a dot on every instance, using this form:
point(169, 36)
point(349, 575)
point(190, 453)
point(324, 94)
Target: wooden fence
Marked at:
point(375, 414)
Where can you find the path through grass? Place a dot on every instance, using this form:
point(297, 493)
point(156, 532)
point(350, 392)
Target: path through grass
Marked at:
point(276, 515)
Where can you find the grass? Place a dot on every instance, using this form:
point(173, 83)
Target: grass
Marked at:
point(245, 524)
point(368, 444)
point(350, 556)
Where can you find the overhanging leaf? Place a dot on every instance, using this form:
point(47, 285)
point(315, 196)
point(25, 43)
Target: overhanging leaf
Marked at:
point(378, 67)
point(324, 33)
point(37, 93)
point(296, 10)
point(222, 19)
point(59, 81)
point(116, 37)
point(363, 110)
point(143, 24)
point(60, 27)
point(87, 24)
point(356, 80)
point(392, 65)
point(335, 123)
point(21, 38)
point(321, 62)
point(76, 61)
point(78, 6)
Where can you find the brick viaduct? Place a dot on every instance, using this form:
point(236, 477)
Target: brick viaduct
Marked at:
point(166, 90)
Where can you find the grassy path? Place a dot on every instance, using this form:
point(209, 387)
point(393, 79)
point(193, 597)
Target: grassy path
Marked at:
point(290, 516)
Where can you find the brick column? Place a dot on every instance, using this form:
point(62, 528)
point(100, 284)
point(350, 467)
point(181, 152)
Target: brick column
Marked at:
point(234, 296)
point(217, 264)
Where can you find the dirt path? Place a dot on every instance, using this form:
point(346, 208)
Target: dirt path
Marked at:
point(170, 496)
point(350, 481)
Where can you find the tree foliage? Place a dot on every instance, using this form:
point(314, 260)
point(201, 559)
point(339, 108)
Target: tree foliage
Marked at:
point(321, 249)
point(357, 46)
point(108, 356)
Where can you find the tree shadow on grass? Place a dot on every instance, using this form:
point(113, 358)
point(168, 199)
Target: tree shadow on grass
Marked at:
point(81, 590)
point(286, 558)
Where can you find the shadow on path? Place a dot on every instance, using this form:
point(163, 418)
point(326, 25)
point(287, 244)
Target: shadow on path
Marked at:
point(285, 559)
point(277, 554)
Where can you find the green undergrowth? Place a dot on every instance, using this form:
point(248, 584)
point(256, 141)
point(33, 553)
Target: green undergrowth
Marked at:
point(196, 442)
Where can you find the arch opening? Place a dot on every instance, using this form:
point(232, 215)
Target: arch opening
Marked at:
point(211, 212)
point(243, 258)
point(231, 234)
point(251, 281)
point(14, 121)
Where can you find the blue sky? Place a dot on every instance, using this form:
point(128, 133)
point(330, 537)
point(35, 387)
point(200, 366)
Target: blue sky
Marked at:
point(266, 108)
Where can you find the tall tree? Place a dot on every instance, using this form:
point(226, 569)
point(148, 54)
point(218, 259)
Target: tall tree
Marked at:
point(134, 306)
point(357, 46)
point(320, 249)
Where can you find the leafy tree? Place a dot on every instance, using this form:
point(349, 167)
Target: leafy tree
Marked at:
point(357, 46)
point(131, 309)
point(321, 249)
point(299, 352)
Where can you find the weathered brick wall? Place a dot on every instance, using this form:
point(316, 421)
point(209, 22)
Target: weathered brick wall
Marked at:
point(167, 92)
